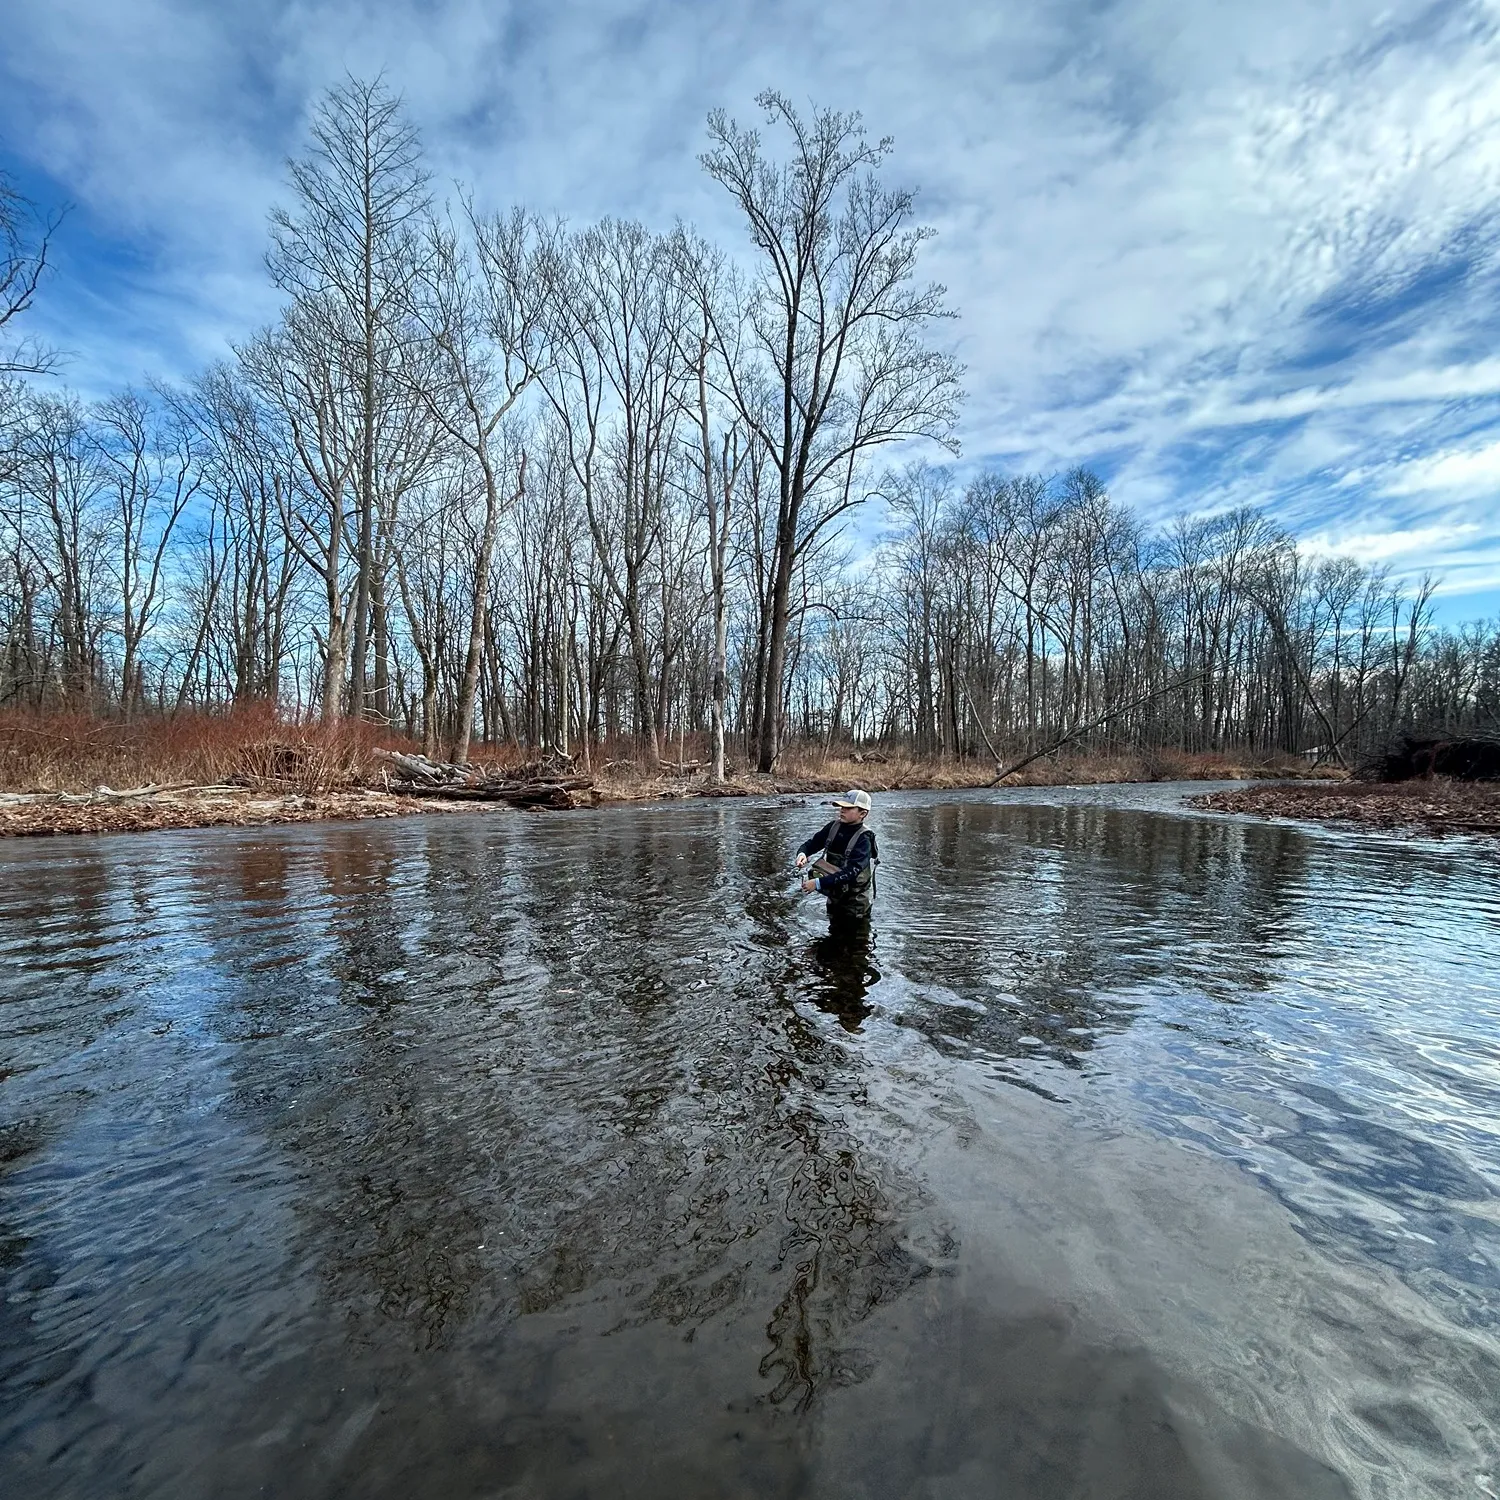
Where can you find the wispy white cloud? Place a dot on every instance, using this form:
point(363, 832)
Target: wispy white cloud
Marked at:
point(1375, 548)
point(1231, 254)
point(1224, 406)
point(1472, 471)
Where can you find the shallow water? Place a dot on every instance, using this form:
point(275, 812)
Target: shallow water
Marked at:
point(1137, 1152)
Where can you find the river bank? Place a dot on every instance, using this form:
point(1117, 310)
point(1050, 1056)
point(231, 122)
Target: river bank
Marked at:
point(1434, 805)
point(366, 792)
point(42, 815)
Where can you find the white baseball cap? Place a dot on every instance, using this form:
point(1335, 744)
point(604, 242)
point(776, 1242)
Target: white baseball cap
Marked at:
point(853, 798)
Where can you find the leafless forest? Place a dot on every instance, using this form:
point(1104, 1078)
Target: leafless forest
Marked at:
point(494, 478)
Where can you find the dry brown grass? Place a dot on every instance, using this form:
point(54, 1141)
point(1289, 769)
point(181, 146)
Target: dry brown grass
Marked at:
point(811, 769)
point(905, 772)
point(254, 746)
point(250, 746)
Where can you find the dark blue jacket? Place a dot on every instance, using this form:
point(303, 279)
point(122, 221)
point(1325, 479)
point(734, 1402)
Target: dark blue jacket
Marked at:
point(854, 841)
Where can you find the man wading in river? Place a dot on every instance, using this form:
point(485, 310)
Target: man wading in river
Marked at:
point(845, 870)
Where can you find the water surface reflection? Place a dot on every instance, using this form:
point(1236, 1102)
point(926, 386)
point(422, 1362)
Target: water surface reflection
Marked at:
point(575, 1154)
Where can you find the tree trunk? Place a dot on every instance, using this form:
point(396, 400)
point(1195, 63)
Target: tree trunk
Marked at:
point(333, 670)
point(478, 618)
point(379, 615)
point(770, 716)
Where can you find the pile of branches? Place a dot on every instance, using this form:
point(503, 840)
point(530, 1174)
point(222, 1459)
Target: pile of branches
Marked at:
point(545, 783)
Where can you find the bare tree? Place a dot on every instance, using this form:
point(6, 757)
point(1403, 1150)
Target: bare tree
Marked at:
point(303, 374)
point(246, 468)
point(426, 569)
point(352, 244)
point(484, 309)
point(719, 456)
point(619, 385)
point(151, 472)
point(61, 473)
point(834, 362)
point(25, 244)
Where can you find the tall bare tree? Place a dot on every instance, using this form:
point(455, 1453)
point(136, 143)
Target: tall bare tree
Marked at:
point(352, 242)
point(303, 373)
point(151, 472)
point(483, 304)
point(247, 469)
point(720, 453)
point(63, 477)
point(834, 361)
point(619, 386)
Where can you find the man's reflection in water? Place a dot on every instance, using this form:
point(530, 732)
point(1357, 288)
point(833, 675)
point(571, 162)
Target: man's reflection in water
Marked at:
point(842, 963)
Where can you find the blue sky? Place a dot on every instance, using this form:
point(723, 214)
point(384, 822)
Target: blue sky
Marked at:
point(1227, 253)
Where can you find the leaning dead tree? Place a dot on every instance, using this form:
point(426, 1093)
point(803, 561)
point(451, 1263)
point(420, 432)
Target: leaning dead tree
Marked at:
point(1077, 731)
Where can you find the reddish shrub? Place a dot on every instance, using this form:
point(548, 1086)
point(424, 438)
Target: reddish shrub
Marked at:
point(251, 744)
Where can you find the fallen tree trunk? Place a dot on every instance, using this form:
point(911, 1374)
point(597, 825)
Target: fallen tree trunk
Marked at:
point(1001, 772)
point(416, 767)
point(419, 769)
point(108, 794)
point(549, 794)
point(495, 791)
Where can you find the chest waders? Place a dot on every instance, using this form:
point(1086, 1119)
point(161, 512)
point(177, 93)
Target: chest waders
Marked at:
point(856, 898)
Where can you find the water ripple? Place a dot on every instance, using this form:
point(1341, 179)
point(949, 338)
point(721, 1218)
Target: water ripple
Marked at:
point(524, 1118)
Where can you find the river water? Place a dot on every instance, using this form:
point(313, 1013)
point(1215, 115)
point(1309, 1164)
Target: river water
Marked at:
point(1136, 1152)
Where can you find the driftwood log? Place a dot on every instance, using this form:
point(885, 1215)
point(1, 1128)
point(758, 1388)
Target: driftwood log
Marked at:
point(542, 784)
point(517, 793)
point(105, 794)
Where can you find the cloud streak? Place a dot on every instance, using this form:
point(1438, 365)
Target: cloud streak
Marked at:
point(1229, 255)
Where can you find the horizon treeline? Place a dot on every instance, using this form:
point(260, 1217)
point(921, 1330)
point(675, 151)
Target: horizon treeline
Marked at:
point(494, 478)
